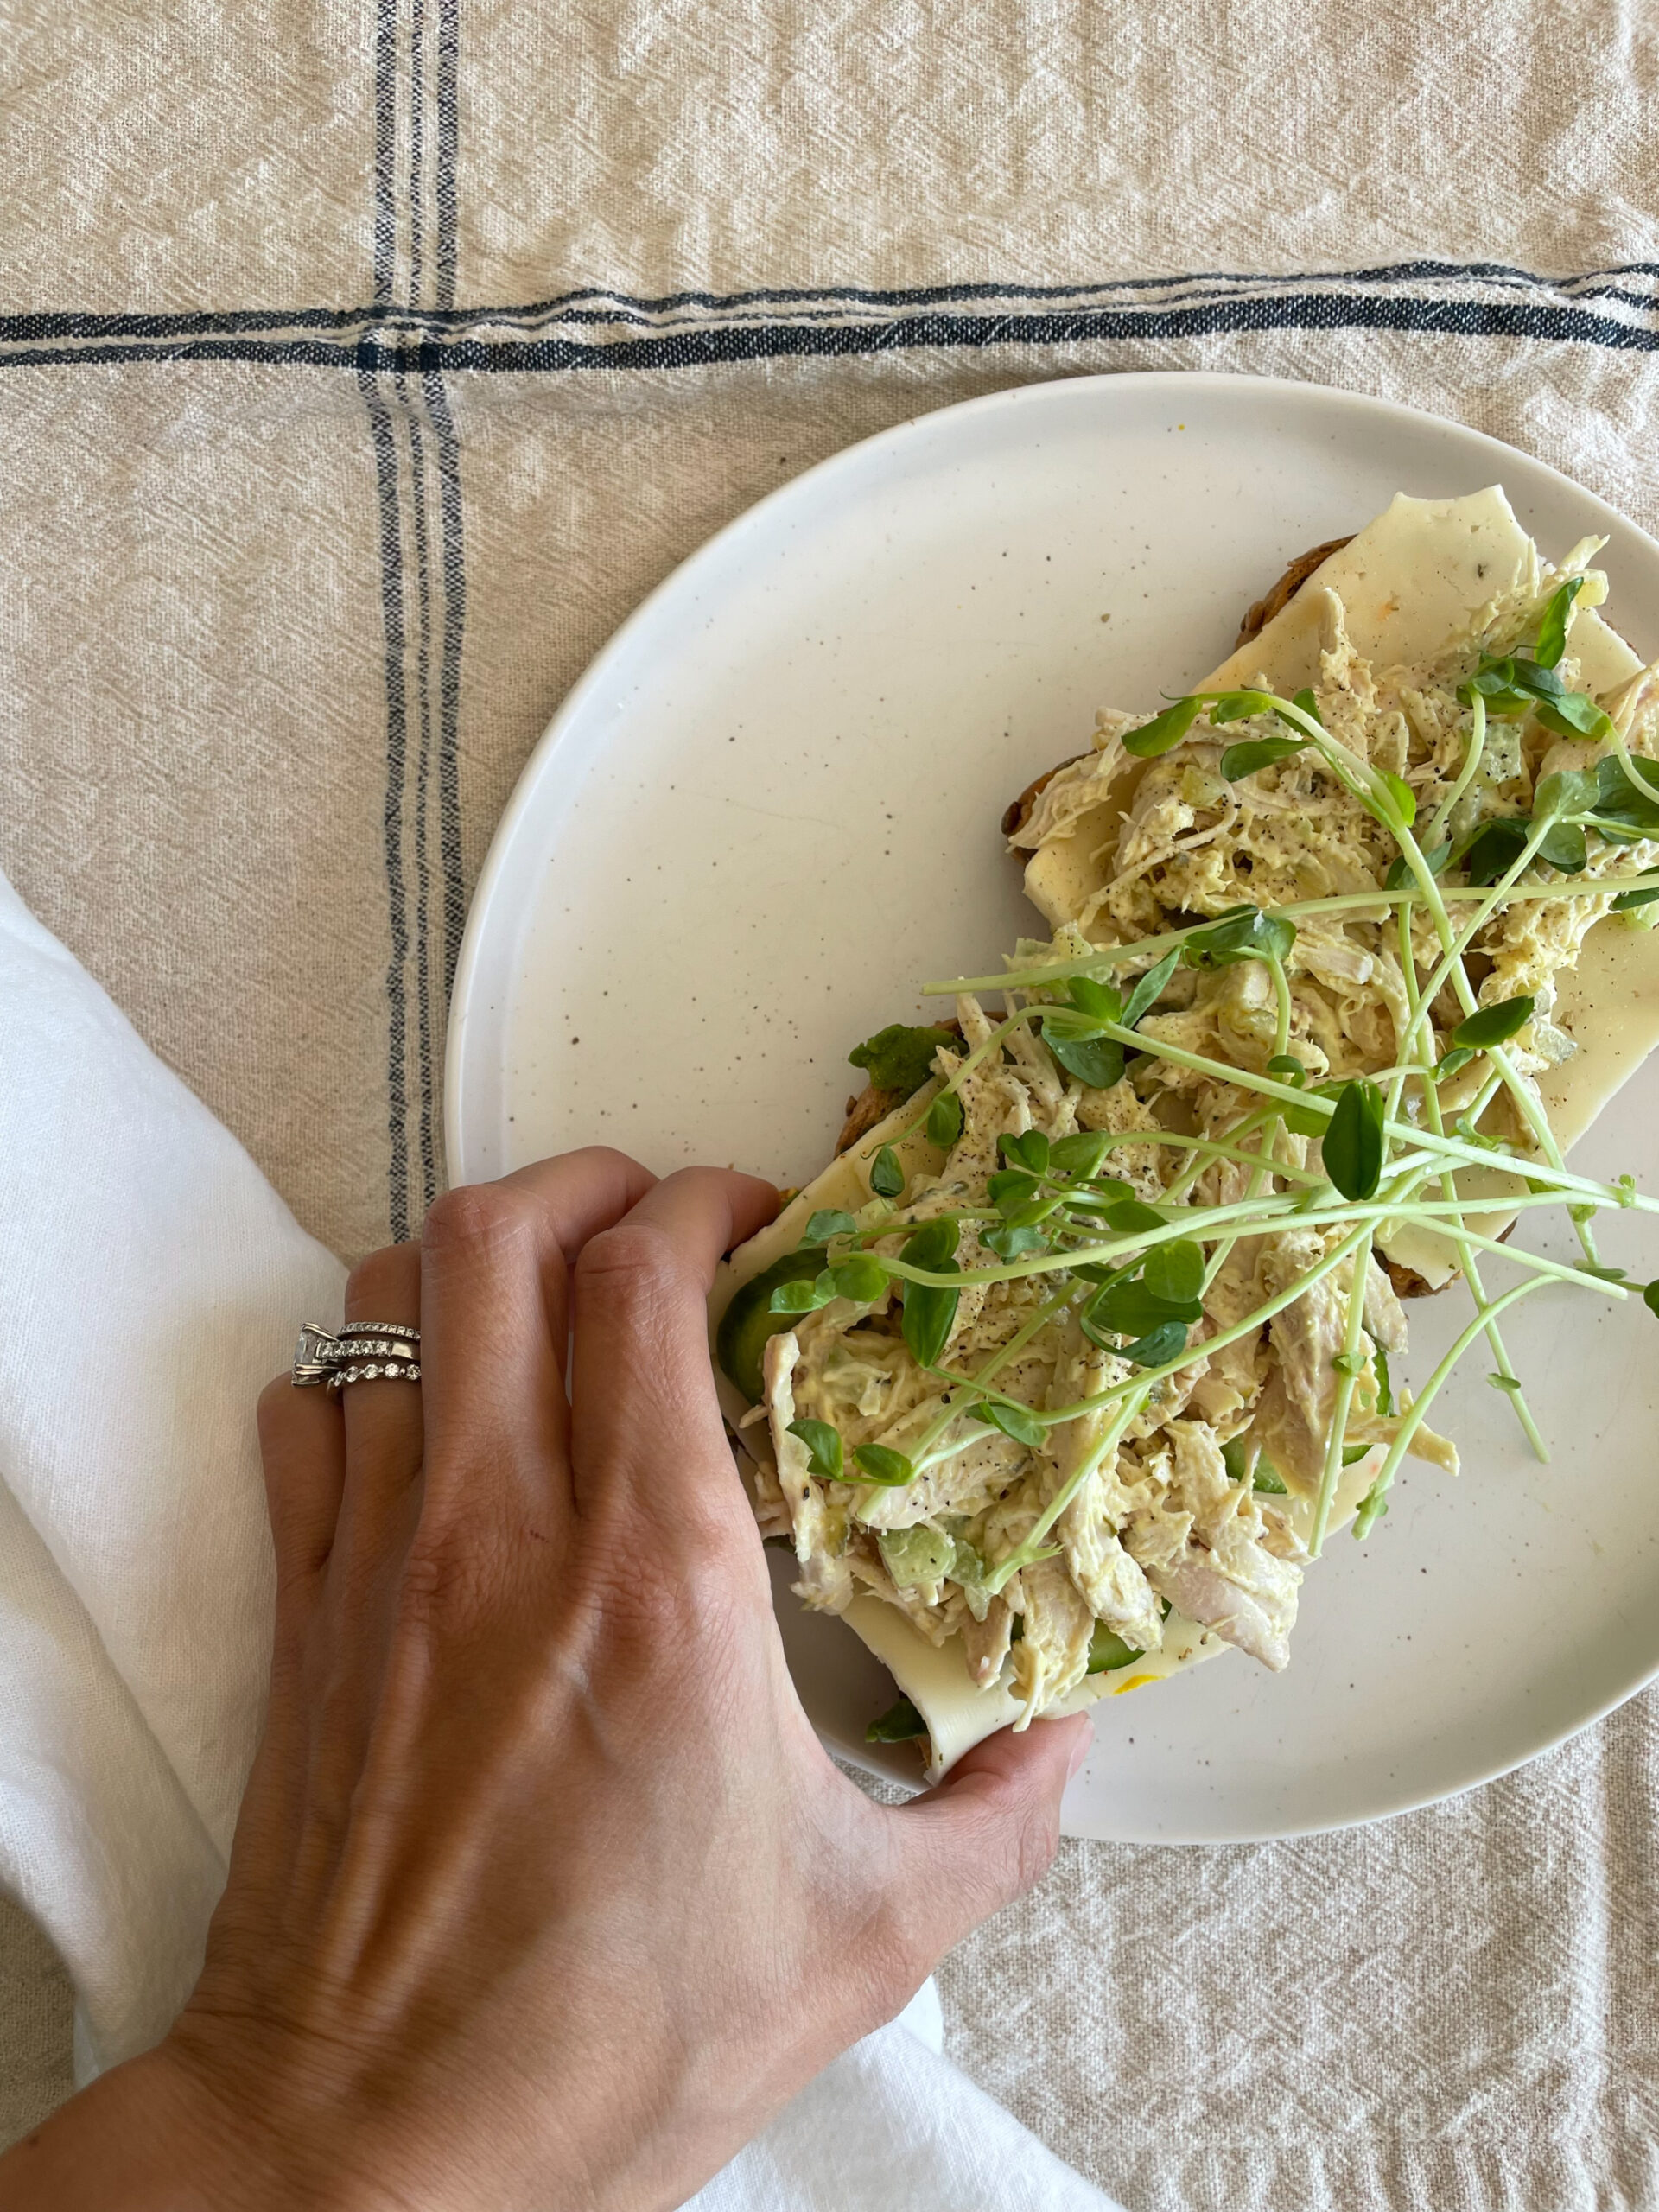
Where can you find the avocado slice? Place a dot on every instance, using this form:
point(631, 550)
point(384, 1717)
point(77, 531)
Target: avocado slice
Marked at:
point(748, 1321)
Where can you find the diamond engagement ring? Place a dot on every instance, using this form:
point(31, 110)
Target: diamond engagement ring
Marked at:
point(361, 1352)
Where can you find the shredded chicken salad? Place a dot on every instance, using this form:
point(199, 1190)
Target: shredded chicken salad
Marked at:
point(1121, 1359)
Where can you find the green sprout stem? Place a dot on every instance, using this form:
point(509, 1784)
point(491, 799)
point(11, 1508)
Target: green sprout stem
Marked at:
point(1412, 1419)
point(1476, 747)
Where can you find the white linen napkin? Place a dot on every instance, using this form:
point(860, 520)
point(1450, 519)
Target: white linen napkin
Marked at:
point(150, 1282)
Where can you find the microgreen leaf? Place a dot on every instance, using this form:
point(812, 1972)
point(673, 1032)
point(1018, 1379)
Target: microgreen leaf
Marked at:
point(1571, 790)
point(1349, 1363)
point(1500, 686)
point(1491, 1025)
point(1096, 1062)
point(1535, 679)
point(1011, 1187)
point(1167, 1342)
point(1575, 714)
point(1174, 1272)
point(930, 1309)
point(901, 1058)
point(1400, 869)
point(1287, 1070)
point(1129, 1309)
point(899, 1724)
point(1080, 1156)
point(1013, 1420)
point(1129, 1213)
point(1552, 630)
point(1563, 847)
point(1303, 1120)
point(1030, 1149)
point(1308, 704)
point(1650, 1295)
point(1033, 1210)
point(1012, 1243)
point(1238, 761)
point(1101, 1194)
point(1624, 802)
point(1510, 1383)
point(1352, 1145)
point(803, 1296)
point(1384, 1387)
point(824, 1447)
point(863, 1279)
point(1404, 797)
point(1102, 1001)
point(1353, 1453)
point(945, 1120)
point(1242, 933)
point(886, 1176)
point(1449, 1063)
point(1269, 1480)
point(1494, 848)
point(1150, 988)
point(1628, 901)
point(1164, 732)
point(880, 1463)
point(829, 1222)
point(1239, 707)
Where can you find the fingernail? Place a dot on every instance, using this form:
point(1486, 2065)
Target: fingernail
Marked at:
point(1081, 1749)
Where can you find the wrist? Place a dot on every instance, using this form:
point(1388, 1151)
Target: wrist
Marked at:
point(152, 2136)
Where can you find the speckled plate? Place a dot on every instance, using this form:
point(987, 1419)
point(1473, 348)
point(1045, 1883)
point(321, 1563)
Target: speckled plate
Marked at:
point(770, 808)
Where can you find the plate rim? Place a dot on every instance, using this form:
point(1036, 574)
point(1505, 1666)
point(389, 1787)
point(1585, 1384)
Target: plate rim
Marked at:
point(480, 915)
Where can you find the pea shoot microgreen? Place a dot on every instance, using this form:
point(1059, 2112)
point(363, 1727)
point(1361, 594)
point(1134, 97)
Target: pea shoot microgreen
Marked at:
point(886, 1175)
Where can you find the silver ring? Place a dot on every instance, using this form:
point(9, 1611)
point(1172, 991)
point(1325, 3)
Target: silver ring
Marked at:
point(375, 1370)
point(361, 1352)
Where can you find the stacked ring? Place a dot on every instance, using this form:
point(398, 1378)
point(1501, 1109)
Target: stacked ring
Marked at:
point(360, 1351)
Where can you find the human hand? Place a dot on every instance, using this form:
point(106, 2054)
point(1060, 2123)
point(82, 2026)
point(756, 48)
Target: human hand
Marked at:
point(544, 1892)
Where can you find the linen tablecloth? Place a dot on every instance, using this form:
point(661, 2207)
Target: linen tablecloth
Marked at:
point(362, 367)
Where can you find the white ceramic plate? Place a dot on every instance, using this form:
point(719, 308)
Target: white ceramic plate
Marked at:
point(770, 808)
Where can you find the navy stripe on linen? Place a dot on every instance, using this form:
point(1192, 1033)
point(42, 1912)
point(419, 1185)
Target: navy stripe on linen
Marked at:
point(391, 608)
point(598, 333)
point(1621, 284)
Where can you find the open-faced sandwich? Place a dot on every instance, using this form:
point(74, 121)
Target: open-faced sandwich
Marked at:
point(1060, 1373)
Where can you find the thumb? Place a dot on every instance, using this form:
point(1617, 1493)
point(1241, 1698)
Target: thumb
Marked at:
point(991, 1827)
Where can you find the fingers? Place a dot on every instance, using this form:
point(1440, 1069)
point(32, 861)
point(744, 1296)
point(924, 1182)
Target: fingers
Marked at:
point(495, 1264)
point(645, 1419)
point(303, 1453)
point(383, 1418)
point(990, 1829)
point(583, 1193)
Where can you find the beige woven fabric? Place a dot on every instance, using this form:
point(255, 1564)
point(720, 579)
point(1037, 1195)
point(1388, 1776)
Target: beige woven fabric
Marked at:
point(352, 394)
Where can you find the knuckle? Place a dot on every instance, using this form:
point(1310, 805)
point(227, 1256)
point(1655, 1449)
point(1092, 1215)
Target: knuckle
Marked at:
point(1032, 1826)
point(473, 1215)
point(378, 1276)
point(636, 1260)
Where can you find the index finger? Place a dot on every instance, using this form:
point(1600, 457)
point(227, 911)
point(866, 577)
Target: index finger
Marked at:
point(645, 1418)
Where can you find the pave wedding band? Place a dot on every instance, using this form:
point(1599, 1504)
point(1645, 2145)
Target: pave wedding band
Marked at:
point(360, 1351)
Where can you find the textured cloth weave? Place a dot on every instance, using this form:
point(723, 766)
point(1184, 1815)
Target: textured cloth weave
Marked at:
point(366, 368)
